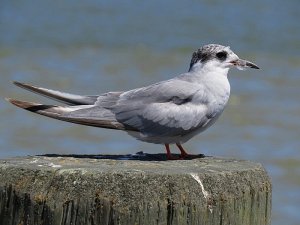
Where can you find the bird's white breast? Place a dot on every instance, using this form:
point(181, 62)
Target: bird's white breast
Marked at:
point(217, 92)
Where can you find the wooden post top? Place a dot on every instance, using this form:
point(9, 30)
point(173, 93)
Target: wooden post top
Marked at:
point(133, 190)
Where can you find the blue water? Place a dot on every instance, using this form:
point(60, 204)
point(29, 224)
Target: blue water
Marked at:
point(89, 47)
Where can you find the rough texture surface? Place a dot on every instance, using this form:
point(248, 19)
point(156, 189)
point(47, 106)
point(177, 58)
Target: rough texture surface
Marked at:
point(44, 190)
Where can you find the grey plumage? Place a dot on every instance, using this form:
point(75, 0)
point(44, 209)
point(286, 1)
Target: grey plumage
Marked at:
point(171, 111)
point(66, 98)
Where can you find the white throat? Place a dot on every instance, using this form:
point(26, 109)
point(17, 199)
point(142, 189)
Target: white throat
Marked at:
point(214, 78)
point(209, 69)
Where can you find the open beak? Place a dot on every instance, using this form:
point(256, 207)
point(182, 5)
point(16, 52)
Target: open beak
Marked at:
point(241, 63)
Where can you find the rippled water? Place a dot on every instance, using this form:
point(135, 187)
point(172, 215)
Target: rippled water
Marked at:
point(88, 47)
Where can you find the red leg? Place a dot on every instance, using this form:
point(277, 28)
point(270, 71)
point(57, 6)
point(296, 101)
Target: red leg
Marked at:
point(184, 154)
point(169, 155)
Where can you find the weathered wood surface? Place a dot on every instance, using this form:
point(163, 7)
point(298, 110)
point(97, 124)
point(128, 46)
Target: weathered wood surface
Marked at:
point(44, 190)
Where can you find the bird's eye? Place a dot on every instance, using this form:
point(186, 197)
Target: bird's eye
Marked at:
point(222, 55)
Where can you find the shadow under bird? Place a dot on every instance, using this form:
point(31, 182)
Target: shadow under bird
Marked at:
point(168, 112)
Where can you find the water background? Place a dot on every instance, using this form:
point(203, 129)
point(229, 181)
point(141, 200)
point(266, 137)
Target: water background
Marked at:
point(90, 47)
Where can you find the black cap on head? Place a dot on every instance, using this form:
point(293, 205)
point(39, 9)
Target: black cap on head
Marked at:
point(205, 53)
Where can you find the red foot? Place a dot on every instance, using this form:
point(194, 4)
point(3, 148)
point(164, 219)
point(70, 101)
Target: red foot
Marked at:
point(183, 154)
point(170, 157)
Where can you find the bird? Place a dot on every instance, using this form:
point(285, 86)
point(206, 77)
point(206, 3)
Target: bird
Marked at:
point(168, 112)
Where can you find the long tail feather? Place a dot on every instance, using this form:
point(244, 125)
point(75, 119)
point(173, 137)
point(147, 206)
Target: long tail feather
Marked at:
point(68, 114)
point(70, 99)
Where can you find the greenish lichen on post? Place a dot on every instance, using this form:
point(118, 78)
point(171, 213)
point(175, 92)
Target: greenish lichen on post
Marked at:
point(68, 190)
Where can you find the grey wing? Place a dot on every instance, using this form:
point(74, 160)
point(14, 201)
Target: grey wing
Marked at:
point(86, 114)
point(67, 98)
point(173, 107)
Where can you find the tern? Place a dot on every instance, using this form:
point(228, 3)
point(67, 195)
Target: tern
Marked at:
point(168, 112)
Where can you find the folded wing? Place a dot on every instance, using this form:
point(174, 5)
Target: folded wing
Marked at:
point(164, 109)
point(85, 110)
point(170, 108)
point(85, 114)
point(66, 98)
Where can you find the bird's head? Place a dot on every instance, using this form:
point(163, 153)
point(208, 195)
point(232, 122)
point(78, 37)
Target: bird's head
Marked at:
point(217, 57)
